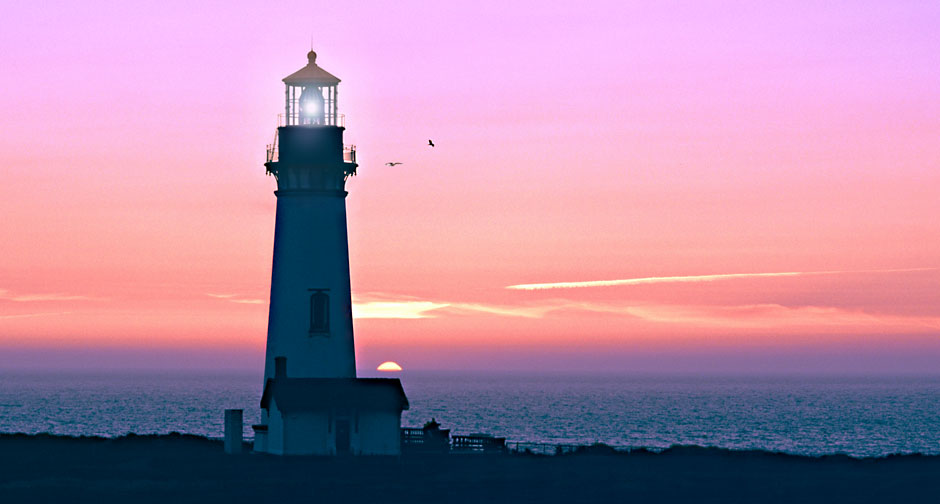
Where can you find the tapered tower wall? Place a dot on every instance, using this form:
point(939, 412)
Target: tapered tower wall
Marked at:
point(311, 257)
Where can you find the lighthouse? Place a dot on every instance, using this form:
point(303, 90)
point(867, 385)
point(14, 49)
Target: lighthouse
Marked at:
point(312, 402)
point(310, 316)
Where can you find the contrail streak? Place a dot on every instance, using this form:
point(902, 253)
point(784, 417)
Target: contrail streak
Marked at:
point(693, 278)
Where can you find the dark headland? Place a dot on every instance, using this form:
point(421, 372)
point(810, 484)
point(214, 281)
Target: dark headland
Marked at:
point(183, 468)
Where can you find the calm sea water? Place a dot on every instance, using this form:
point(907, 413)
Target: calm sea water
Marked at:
point(857, 416)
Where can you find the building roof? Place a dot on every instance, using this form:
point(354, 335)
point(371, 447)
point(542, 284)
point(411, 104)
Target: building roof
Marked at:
point(317, 394)
point(311, 75)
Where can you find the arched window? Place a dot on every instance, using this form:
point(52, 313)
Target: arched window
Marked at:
point(319, 312)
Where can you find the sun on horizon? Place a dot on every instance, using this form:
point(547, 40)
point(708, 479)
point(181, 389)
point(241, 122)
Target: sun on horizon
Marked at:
point(388, 366)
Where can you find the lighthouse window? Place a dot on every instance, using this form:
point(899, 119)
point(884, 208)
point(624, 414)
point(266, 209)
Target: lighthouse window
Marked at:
point(319, 312)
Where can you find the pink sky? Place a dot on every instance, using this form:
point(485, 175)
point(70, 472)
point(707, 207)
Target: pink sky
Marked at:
point(659, 143)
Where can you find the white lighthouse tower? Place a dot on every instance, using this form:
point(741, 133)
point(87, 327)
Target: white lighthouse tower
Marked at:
point(312, 401)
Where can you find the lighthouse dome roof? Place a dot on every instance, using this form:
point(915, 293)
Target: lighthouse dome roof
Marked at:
point(311, 75)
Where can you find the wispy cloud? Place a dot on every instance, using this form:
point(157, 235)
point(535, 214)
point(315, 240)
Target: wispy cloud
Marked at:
point(387, 306)
point(693, 278)
point(772, 316)
point(395, 309)
point(527, 311)
point(236, 298)
point(734, 316)
point(33, 315)
point(26, 298)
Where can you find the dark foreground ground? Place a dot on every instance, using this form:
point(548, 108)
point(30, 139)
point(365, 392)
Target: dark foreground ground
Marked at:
point(174, 468)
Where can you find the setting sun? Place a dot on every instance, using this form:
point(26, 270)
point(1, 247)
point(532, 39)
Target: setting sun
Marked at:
point(388, 366)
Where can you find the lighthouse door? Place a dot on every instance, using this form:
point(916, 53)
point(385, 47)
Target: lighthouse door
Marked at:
point(342, 437)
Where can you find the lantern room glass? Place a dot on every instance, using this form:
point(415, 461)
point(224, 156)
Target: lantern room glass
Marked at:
point(311, 106)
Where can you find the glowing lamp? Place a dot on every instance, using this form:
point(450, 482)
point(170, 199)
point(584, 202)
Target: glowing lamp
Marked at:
point(311, 103)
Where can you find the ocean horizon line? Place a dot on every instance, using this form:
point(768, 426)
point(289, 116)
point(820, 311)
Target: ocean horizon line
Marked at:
point(489, 373)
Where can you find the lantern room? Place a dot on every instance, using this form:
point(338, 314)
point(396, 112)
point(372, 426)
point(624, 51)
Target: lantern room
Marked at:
point(310, 96)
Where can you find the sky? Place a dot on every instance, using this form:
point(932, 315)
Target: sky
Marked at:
point(649, 187)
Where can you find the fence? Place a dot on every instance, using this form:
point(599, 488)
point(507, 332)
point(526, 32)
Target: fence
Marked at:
point(425, 440)
point(562, 449)
point(478, 443)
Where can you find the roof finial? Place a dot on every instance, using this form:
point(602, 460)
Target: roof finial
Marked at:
point(312, 57)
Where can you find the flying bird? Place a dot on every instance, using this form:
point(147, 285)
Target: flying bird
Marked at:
point(392, 163)
point(431, 143)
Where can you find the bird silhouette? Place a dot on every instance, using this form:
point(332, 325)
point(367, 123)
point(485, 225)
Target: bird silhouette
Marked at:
point(431, 143)
point(392, 163)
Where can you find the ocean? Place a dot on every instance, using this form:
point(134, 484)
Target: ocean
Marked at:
point(871, 416)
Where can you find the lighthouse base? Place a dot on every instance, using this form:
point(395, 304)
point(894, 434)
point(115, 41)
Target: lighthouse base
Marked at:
point(331, 416)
